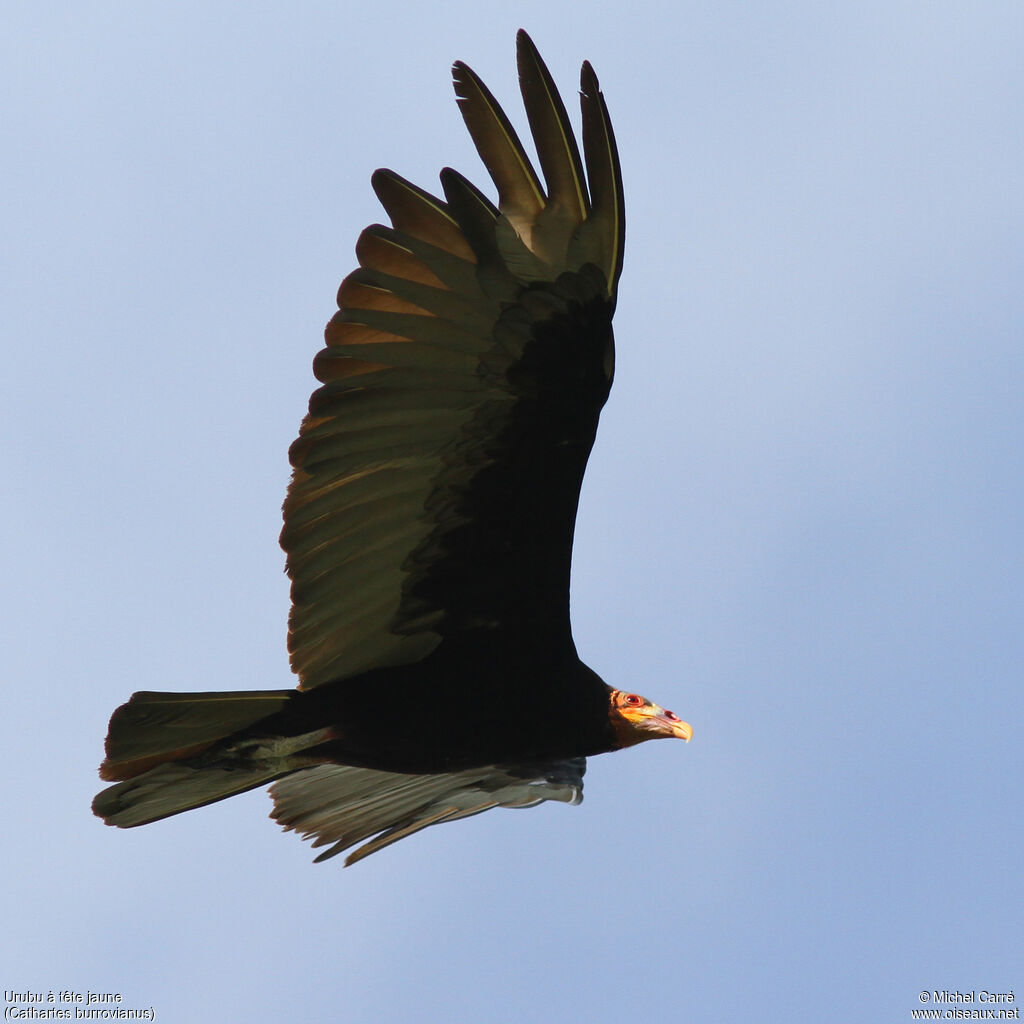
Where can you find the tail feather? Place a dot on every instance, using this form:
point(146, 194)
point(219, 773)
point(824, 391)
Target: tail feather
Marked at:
point(173, 787)
point(154, 728)
point(159, 752)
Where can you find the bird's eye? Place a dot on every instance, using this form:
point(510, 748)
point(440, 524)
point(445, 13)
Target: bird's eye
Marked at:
point(633, 700)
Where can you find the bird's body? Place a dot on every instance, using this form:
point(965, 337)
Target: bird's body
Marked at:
point(436, 716)
point(429, 521)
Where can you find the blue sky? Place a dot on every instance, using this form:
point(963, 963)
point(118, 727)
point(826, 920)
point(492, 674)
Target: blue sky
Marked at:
point(800, 529)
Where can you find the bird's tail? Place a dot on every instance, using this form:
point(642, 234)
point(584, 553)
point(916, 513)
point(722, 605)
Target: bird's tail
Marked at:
point(170, 752)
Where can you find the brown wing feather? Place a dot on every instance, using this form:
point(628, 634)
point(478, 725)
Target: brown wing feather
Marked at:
point(437, 472)
point(556, 145)
point(602, 238)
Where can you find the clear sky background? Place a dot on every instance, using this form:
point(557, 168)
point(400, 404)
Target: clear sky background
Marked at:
point(800, 529)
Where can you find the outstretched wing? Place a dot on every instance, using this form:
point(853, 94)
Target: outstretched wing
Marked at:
point(343, 806)
point(437, 474)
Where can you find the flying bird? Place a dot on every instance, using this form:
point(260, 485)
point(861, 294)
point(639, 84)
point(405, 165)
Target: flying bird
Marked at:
point(429, 520)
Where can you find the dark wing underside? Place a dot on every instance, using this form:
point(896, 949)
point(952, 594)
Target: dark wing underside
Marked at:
point(343, 806)
point(437, 473)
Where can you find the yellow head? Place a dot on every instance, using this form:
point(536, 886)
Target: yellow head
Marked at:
point(635, 719)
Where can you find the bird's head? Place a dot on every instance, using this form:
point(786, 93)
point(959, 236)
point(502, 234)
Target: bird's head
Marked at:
point(635, 719)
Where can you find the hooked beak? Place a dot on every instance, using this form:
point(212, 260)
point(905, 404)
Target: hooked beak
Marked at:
point(653, 721)
point(675, 726)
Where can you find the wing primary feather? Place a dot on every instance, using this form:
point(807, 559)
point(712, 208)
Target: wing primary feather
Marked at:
point(401, 253)
point(474, 212)
point(552, 134)
point(376, 289)
point(478, 218)
point(379, 249)
point(415, 211)
point(520, 196)
point(604, 174)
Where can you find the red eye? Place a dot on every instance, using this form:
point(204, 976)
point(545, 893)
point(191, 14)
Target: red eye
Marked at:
point(633, 700)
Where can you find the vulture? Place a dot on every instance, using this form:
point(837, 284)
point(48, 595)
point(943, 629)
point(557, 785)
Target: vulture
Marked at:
point(428, 523)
